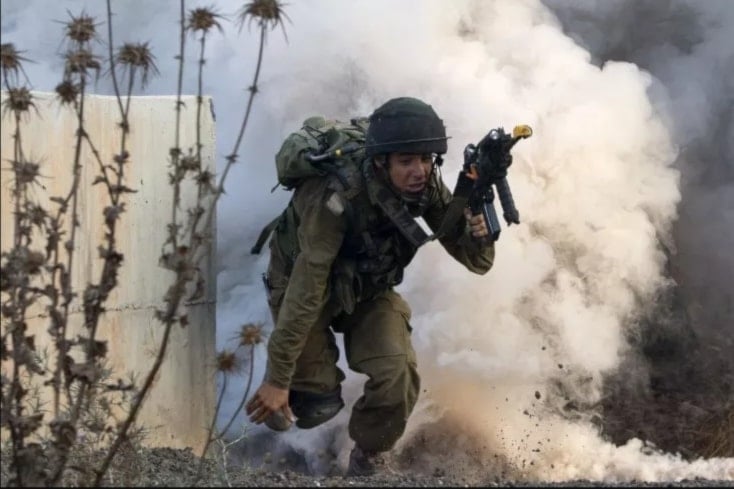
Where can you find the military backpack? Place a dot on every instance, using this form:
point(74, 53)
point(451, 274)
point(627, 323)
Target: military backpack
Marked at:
point(319, 148)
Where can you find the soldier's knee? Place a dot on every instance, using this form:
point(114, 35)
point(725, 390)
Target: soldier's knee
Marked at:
point(394, 376)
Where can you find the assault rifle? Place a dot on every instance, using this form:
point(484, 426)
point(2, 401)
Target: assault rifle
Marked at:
point(485, 167)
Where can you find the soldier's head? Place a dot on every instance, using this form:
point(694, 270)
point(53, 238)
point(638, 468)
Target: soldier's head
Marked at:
point(405, 139)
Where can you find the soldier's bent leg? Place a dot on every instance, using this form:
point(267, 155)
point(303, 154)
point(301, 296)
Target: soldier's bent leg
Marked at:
point(315, 393)
point(377, 342)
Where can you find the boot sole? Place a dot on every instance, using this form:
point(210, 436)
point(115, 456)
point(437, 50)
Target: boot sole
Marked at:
point(320, 418)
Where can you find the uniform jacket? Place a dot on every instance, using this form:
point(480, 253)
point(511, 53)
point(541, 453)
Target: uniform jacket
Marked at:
point(334, 246)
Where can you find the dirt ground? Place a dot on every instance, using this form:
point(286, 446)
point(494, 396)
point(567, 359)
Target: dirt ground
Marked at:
point(683, 404)
point(675, 390)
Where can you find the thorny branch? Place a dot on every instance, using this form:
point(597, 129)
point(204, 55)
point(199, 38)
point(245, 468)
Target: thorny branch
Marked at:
point(78, 386)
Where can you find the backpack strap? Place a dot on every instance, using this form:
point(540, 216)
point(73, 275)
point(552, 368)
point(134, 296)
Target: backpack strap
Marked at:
point(264, 235)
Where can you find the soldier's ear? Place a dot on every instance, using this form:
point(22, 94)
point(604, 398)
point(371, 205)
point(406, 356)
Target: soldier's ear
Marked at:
point(380, 161)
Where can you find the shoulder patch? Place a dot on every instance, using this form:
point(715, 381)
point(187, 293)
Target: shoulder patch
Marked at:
point(335, 204)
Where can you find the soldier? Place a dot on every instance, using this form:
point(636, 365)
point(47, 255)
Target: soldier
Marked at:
point(336, 255)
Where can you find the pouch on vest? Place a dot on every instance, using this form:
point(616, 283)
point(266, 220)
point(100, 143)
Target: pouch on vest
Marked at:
point(345, 284)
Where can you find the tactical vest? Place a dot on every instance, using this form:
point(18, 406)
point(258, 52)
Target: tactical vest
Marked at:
point(381, 237)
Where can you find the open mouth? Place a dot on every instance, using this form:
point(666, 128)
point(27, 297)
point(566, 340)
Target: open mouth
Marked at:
point(416, 187)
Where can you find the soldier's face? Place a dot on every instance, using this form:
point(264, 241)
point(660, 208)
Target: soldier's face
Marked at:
point(409, 172)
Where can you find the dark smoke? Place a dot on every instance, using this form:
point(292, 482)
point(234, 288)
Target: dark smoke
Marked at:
point(687, 340)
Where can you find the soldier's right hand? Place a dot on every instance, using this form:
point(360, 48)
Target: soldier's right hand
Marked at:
point(267, 400)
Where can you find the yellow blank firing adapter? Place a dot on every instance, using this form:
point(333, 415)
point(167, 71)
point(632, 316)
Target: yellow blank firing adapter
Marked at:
point(522, 131)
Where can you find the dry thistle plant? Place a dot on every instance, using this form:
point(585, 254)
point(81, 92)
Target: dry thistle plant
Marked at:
point(22, 268)
point(265, 13)
point(81, 29)
point(134, 58)
point(11, 64)
point(50, 442)
point(82, 412)
point(249, 336)
point(188, 234)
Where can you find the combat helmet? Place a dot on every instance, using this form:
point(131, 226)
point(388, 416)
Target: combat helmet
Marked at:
point(406, 125)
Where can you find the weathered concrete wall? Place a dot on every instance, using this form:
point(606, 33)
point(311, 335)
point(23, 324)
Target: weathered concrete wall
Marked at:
point(181, 404)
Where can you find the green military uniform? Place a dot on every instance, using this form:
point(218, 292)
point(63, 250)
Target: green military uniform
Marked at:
point(335, 258)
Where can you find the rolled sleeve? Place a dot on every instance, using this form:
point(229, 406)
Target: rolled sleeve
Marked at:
point(458, 242)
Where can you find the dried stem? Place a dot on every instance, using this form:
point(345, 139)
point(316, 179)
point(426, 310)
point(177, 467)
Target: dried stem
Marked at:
point(76, 384)
point(225, 447)
point(199, 96)
point(200, 189)
point(176, 150)
point(232, 157)
point(253, 90)
point(16, 394)
point(66, 291)
point(245, 395)
point(209, 435)
point(21, 266)
point(111, 54)
point(112, 263)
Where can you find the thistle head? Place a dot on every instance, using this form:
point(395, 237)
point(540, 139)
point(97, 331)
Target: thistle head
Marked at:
point(37, 215)
point(206, 181)
point(203, 20)
point(250, 334)
point(227, 362)
point(136, 57)
point(81, 61)
point(189, 162)
point(26, 172)
point(11, 60)
point(67, 92)
point(266, 13)
point(81, 29)
point(18, 100)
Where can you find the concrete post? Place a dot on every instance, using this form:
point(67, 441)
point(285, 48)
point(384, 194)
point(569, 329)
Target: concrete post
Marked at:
point(180, 407)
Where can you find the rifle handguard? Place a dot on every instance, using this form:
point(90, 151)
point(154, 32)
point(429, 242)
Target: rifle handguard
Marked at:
point(510, 212)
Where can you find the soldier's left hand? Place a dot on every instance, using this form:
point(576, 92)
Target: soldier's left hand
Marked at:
point(476, 223)
point(267, 400)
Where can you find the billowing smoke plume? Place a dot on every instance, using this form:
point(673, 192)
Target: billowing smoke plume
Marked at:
point(513, 363)
point(687, 47)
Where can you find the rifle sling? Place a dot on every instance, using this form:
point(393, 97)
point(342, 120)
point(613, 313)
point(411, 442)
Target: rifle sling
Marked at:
point(398, 214)
point(394, 209)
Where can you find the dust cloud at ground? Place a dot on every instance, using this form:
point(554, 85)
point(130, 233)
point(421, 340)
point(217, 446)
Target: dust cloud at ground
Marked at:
point(519, 366)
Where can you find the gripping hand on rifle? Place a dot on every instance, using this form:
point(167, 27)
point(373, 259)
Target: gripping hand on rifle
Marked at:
point(477, 224)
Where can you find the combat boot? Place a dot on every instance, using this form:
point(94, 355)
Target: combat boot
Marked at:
point(312, 409)
point(362, 463)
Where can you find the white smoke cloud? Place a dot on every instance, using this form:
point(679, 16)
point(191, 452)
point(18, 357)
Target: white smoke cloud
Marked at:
point(595, 185)
point(690, 54)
